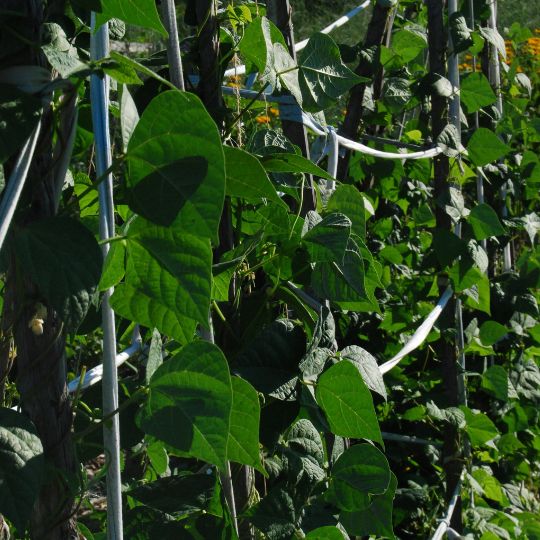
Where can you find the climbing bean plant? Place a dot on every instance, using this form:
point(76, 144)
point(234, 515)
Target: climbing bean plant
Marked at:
point(263, 323)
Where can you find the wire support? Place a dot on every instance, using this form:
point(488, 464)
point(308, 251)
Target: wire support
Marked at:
point(421, 333)
point(241, 70)
point(444, 524)
point(99, 97)
point(16, 183)
point(412, 344)
point(95, 375)
point(409, 439)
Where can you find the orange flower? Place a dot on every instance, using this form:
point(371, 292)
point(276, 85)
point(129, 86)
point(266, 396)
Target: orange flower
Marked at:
point(273, 111)
point(262, 119)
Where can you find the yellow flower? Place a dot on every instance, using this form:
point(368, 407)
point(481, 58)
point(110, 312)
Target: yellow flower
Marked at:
point(262, 119)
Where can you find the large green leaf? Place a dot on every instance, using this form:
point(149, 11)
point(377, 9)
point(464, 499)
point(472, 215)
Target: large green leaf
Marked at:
point(485, 222)
point(408, 45)
point(349, 201)
point(243, 443)
point(138, 12)
point(345, 283)
point(176, 167)
point(359, 472)
point(177, 494)
point(479, 427)
point(64, 260)
point(322, 75)
point(270, 361)
point(325, 533)
point(368, 367)
point(19, 113)
point(495, 382)
point(22, 468)
point(376, 519)
point(292, 163)
point(476, 92)
point(347, 403)
point(328, 239)
point(190, 402)
point(149, 310)
point(485, 147)
point(155, 252)
point(275, 515)
point(256, 44)
point(246, 177)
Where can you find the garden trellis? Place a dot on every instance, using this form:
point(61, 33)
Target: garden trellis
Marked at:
point(215, 270)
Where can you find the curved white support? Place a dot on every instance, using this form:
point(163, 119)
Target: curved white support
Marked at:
point(421, 333)
point(241, 70)
point(16, 181)
point(94, 375)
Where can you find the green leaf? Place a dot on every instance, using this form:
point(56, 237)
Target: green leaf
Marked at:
point(22, 468)
point(345, 283)
point(408, 45)
point(270, 361)
point(177, 495)
point(476, 92)
point(171, 267)
point(292, 163)
point(460, 33)
point(479, 427)
point(490, 485)
point(129, 117)
point(155, 355)
point(243, 443)
point(149, 309)
point(322, 76)
point(138, 12)
point(485, 222)
point(176, 167)
point(495, 382)
point(275, 515)
point(256, 44)
point(347, 403)
point(450, 141)
point(60, 53)
point(368, 367)
point(114, 267)
point(20, 113)
point(348, 200)
point(246, 177)
point(190, 402)
point(396, 93)
point(376, 519)
point(325, 533)
point(327, 240)
point(485, 147)
point(64, 260)
point(491, 332)
point(492, 36)
point(359, 472)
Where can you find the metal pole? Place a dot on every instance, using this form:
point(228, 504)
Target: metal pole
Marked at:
point(99, 92)
point(168, 11)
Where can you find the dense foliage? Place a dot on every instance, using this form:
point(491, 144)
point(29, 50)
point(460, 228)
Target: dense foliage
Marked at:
point(264, 321)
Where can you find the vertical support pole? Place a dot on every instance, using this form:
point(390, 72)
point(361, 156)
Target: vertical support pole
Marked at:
point(454, 117)
point(495, 80)
point(208, 58)
point(99, 92)
point(176, 73)
point(445, 348)
point(279, 12)
point(41, 360)
point(375, 36)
